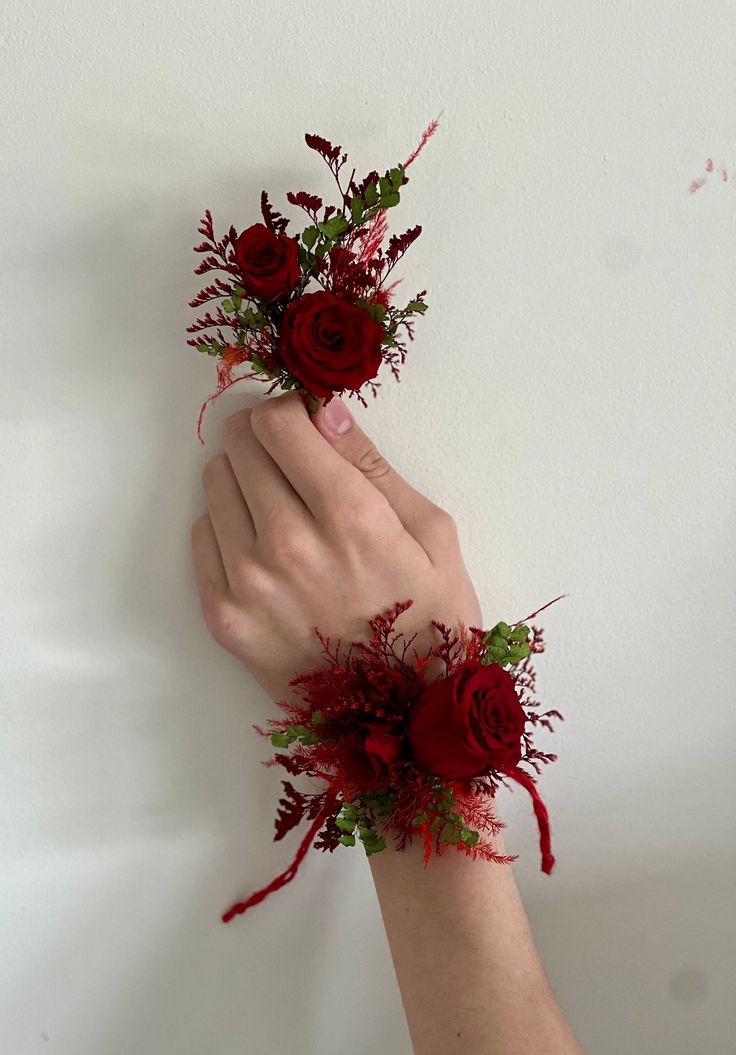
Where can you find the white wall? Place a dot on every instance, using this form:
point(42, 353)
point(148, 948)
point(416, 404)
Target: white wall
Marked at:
point(569, 398)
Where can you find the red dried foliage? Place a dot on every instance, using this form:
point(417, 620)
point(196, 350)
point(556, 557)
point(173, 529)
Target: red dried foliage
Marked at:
point(399, 243)
point(311, 203)
point(272, 219)
point(222, 258)
point(323, 147)
point(294, 806)
point(427, 134)
point(234, 356)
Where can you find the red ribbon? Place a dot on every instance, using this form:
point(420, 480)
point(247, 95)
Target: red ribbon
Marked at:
point(286, 877)
point(540, 812)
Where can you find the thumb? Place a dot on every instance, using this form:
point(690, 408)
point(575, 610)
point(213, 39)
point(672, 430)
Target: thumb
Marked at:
point(335, 422)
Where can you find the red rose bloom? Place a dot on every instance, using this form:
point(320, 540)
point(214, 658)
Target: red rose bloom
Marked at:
point(465, 724)
point(328, 344)
point(367, 756)
point(268, 262)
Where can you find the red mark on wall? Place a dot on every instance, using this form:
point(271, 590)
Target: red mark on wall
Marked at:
point(719, 171)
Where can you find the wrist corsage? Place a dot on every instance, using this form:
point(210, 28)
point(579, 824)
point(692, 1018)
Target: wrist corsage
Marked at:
point(312, 312)
point(410, 745)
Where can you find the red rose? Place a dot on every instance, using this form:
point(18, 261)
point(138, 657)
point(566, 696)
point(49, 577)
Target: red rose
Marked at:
point(467, 723)
point(367, 756)
point(328, 344)
point(269, 263)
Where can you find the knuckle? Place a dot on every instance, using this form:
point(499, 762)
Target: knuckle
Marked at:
point(237, 425)
point(443, 524)
point(250, 581)
point(270, 417)
point(365, 513)
point(371, 462)
point(219, 615)
point(200, 526)
point(291, 550)
point(214, 468)
point(356, 510)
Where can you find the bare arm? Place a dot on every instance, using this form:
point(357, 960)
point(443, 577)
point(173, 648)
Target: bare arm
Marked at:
point(311, 527)
point(470, 978)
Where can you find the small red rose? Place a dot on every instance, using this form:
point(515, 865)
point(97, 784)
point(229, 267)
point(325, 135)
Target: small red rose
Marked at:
point(468, 723)
point(268, 262)
point(367, 756)
point(328, 344)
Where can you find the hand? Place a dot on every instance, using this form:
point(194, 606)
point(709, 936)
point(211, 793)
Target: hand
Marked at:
point(309, 526)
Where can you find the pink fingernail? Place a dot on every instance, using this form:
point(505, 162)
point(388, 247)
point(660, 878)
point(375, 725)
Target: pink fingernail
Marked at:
point(337, 417)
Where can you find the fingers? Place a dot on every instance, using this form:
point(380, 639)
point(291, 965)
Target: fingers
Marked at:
point(229, 515)
point(432, 527)
point(269, 496)
point(208, 566)
point(317, 473)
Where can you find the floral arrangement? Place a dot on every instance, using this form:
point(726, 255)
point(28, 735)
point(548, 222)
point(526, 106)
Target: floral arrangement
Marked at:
point(407, 754)
point(312, 311)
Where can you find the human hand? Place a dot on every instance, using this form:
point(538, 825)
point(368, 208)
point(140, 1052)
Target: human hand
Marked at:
point(309, 526)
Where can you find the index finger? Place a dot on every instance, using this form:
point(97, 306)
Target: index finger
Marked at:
point(314, 469)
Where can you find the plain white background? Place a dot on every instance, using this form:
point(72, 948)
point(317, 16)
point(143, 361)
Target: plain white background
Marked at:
point(569, 398)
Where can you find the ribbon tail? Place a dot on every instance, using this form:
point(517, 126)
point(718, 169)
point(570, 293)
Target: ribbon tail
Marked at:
point(540, 812)
point(286, 877)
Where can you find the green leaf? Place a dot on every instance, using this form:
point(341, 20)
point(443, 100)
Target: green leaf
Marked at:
point(252, 320)
point(310, 236)
point(371, 194)
point(374, 847)
point(416, 305)
point(502, 628)
point(344, 824)
point(280, 739)
point(376, 311)
point(396, 176)
point(371, 840)
point(519, 633)
point(356, 209)
point(390, 198)
point(518, 652)
point(333, 227)
point(227, 304)
point(448, 830)
point(347, 840)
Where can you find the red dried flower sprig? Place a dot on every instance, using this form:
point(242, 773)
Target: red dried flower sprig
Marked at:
point(314, 312)
point(406, 756)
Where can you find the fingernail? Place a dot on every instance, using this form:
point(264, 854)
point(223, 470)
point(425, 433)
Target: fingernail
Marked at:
point(336, 417)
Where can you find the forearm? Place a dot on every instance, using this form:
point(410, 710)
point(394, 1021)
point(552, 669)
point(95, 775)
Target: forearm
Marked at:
point(311, 527)
point(470, 977)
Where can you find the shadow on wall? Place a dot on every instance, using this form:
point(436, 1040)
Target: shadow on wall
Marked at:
point(646, 965)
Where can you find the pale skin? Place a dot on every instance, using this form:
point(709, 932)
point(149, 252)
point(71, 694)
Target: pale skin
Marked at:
point(308, 525)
